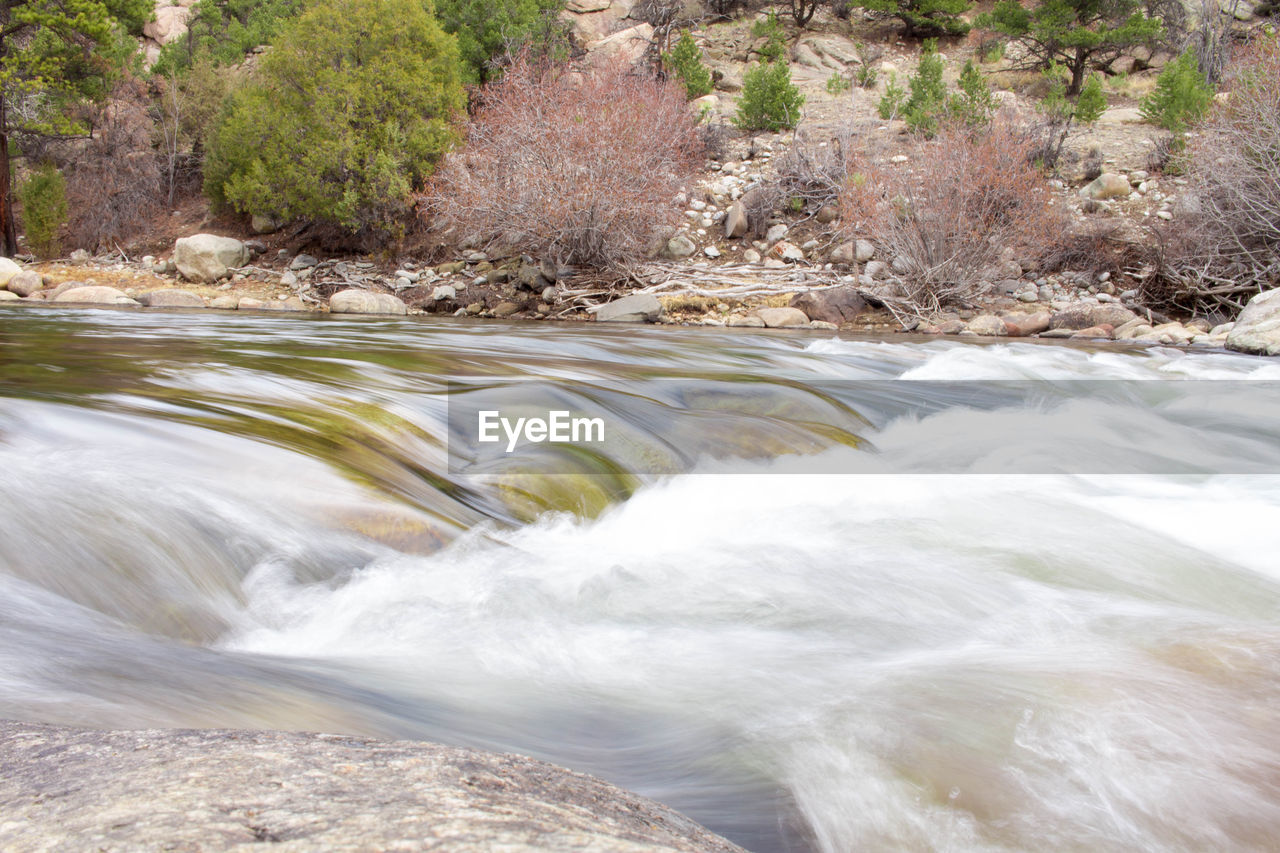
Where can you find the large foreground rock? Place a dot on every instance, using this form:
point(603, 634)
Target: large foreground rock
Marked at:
point(1257, 329)
point(365, 302)
point(208, 257)
point(72, 789)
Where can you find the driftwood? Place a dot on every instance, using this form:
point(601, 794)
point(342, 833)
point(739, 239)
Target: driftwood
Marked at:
point(731, 281)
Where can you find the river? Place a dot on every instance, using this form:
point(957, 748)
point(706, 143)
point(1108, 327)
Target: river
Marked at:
point(859, 598)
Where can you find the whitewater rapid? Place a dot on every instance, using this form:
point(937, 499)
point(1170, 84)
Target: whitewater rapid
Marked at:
point(881, 658)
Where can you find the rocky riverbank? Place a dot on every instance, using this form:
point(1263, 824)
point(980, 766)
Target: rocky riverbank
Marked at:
point(77, 789)
point(221, 273)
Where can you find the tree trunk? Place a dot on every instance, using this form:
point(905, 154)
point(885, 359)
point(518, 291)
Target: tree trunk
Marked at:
point(8, 228)
point(1079, 65)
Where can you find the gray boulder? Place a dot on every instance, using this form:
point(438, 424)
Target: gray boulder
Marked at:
point(1105, 186)
point(782, 318)
point(25, 283)
point(8, 269)
point(636, 308)
point(735, 221)
point(94, 295)
point(364, 302)
point(75, 789)
point(837, 305)
point(679, 246)
point(208, 257)
point(1257, 329)
point(988, 325)
point(171, 299)
point(1087, 317)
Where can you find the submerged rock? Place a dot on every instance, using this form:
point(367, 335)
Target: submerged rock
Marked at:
point(77, 789)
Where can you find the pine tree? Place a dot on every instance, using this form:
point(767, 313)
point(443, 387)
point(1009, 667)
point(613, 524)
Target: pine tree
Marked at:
point(1181, 95)
point(928, 91)
point(685, 61)
point(1077, 34)
point(924, 17)
point(55, 55)
point(973, 104)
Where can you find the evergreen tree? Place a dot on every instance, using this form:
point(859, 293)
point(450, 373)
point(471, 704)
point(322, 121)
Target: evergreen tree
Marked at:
point(349, 112)
point(924, 17)
point(55, 55)
point(928, 91)
point(1077, 34)
point(486, 29)
point(1181, 95)
point(685, 61)
point(973, 104)
point(770, 101)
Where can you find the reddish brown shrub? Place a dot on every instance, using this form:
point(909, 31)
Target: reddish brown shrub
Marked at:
point(951, 211)
point(574, 167)
point(115, 179)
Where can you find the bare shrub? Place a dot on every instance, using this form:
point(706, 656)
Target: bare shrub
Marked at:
point(1224, 245)
point(115, 181)
point(1096, 246)
point(949, 213)
point(574, 167)
point(815, 172)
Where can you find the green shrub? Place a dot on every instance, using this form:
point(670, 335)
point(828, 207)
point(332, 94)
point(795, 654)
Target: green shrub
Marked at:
point(1092, 102)
point(838, 84)
point(486, 29)
point(349, 112)
point(1181, 96)
point(44, 209)
point(685, 62)
point(770, 29)
point(1061, 113)
point(991, 50)
point(973, 104)
point(769, 99)
point(893, 99)
point(928, 91)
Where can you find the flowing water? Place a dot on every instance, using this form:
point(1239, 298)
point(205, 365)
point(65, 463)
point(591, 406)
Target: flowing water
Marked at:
point(833, 634)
